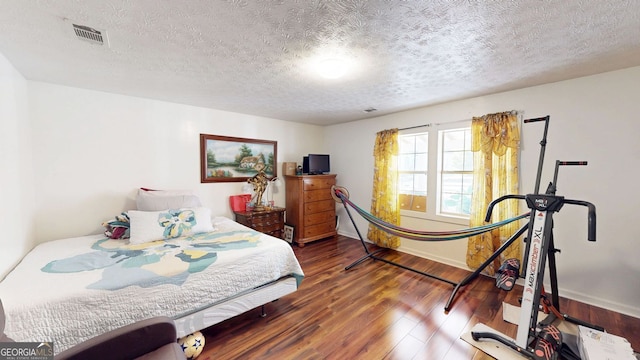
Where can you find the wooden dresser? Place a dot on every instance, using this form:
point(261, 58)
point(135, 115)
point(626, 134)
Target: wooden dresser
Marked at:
point(269, 221)
point(310, 208)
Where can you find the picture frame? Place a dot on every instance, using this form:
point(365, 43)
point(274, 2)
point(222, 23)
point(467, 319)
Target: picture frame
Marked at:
point(288, 233)
point(232, 159)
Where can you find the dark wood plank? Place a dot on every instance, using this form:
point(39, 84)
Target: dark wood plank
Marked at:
point(379, 311)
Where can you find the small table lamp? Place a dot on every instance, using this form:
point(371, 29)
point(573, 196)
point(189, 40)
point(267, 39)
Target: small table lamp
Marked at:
point(274, 182)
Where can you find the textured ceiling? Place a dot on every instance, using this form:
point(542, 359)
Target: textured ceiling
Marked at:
point(255, 57)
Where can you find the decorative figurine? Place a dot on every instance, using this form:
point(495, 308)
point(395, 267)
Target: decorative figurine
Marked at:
point(259, 182)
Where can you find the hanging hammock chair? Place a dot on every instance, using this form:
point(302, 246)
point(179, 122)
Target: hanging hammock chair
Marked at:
point(341, 195)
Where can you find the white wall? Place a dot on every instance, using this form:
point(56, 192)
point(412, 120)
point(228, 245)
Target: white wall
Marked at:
point(16, 177)
point(93, 150)
point(592, 118)
point(72, 158)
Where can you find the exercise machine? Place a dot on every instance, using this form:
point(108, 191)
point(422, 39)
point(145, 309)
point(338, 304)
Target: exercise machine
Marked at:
point(541, 340)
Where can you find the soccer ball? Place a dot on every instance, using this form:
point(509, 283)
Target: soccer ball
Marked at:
point(192, 344)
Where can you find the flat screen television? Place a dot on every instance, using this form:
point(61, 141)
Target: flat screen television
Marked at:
point(319, 164)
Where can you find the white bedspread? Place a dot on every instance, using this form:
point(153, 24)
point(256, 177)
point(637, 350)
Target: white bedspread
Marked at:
point(70, 290)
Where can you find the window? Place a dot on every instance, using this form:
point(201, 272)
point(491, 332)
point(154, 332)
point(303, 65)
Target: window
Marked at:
point(456, 172)
point(438, 162)
point(412, 171)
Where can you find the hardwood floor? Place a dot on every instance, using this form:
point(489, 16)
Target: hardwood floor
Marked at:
point(379, 311)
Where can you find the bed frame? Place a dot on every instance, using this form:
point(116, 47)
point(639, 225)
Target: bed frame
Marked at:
point(225, 309)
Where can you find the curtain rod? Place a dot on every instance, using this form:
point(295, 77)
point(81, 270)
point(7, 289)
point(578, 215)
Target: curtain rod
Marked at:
point(432, 124)
point(415, 127)
point(515, 112)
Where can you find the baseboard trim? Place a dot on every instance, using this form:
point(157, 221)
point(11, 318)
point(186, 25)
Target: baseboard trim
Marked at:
point(577, 296)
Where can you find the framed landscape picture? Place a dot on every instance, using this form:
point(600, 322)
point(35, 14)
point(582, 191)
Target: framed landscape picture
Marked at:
point(227, 159)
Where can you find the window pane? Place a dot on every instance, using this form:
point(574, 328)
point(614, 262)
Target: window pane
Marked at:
point(468, 160)
point(451, 183)
point(453, 140)
point(405, 183)
point(455, 204)
point(421, 162)
point(405, 201)
point(453, 161)
point(420, 184)
point(419, 203)
point(406, 162)
point(450, 203)
point(467, 184)
point(413, 162)
point(406, 144)
point(466, 204)
point(456, 177)
point(422, 143)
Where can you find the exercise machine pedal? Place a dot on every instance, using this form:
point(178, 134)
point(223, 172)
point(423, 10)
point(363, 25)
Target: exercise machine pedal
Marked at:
point(548, 343)
point(507, 274)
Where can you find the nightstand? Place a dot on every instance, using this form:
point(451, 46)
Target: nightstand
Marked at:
point(270, 221)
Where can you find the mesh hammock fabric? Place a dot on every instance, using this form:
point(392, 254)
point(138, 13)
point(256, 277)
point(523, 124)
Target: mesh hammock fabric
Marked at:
point(341, 194)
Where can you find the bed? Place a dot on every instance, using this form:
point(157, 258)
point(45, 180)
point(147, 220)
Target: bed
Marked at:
point(70, 290)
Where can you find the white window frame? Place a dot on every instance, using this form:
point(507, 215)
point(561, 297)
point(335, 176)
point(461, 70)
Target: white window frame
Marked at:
point(434, 173)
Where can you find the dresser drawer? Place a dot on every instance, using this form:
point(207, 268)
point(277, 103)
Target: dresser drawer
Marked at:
point(318, 183)
point(268, 227)
point(266, 220)
point(321, 217)
point(319, 206)
point(319, 229)
point(315, 195)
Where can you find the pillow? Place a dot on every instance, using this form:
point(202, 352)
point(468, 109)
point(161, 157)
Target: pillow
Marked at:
point(168, 224)
point(156, 200)
point(117, 228)
point(164, 192)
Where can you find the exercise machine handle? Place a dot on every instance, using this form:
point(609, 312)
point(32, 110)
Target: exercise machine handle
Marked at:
point(572, 162)
point(591, 231)
point(543, 145)
point(487, 218)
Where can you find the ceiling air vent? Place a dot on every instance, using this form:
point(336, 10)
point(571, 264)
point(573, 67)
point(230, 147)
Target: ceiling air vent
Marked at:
point(89, 34)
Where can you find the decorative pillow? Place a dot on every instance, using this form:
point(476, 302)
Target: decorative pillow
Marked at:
point(156, 200)
point(117, 228)
point(168, 224)
point(159, 192)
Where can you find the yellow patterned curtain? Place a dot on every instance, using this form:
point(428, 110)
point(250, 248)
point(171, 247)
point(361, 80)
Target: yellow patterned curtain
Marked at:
point(495, 142)
point(384, 201)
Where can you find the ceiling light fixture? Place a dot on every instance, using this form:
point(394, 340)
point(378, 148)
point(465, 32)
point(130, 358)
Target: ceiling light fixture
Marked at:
point(332, 68)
